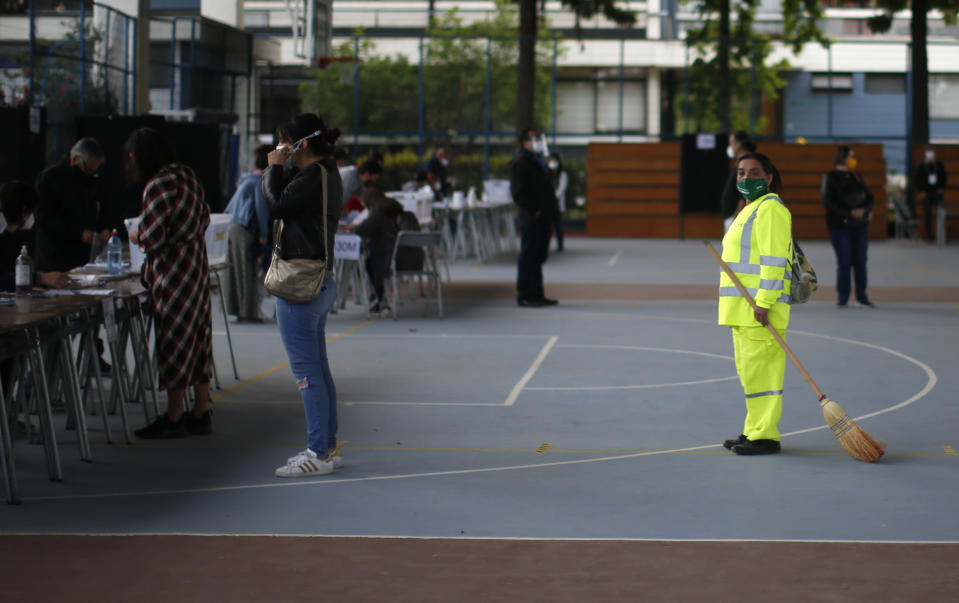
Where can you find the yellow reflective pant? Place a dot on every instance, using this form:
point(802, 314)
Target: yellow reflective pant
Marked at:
point(761, 365)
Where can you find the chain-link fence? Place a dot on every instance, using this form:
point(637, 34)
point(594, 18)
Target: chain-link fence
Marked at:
point(70, 57)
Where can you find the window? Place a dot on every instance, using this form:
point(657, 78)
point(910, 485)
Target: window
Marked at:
point(943, 96)
point(607, 106)
point(841, 82)
point(575, 107)
point(885, 83)
point(588, 101)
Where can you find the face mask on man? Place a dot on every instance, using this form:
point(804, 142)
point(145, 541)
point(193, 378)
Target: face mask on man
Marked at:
point(752, 188)
point(444, 162)
point(930, 156)
point(28, 223)
point(730, 152)
point(553, 165)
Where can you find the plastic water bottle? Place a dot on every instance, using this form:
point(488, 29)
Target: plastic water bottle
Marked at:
point(24, 272)
point(114, 254)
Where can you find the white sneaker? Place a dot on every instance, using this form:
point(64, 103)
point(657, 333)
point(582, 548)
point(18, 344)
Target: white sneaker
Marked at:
point(336, 457)
point(304, 464)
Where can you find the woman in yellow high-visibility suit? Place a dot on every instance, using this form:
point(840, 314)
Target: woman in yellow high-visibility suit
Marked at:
point(758, 248)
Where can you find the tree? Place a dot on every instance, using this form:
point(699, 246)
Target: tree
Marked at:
point(731, 58)
point(454, 81)
point(526, 65)
point(918, 57)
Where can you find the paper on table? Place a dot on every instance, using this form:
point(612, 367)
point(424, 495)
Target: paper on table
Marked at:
point(95, 291)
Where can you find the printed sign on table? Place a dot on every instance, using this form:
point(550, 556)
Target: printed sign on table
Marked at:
point(347, 246)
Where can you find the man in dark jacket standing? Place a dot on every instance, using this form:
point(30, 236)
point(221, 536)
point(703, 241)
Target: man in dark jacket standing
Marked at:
point(69, 216)
point(532, 191)
point(931, 180)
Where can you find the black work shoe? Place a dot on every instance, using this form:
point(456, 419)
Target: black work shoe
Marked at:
point(530, 303)
point(751, 447)
point(742, 439)
point(549, 302)
point(202, 425)
point(162, 428)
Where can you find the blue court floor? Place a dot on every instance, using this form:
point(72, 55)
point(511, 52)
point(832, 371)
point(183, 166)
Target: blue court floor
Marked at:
point(598, 418)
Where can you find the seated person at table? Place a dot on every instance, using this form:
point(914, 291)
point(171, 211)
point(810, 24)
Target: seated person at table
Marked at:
point(368, 173)
point(18, 201)
point(420, 180)
point(379, 233)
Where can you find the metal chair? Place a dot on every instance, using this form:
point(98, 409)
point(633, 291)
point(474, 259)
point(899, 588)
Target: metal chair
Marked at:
point(429, 242)
point(906, 223)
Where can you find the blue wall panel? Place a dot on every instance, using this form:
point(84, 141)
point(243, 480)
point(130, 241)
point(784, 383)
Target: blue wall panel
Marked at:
point(855, 115)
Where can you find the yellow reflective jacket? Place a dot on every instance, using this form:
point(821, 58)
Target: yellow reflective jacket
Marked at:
point(759, 248)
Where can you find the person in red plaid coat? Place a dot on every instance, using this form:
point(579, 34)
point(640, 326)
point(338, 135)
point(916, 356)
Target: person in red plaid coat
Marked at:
point(173, 223)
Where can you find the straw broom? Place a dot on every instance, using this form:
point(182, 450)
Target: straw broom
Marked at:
point(859, 444)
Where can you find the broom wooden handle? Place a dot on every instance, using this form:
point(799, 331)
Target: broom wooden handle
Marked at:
point(729, 272)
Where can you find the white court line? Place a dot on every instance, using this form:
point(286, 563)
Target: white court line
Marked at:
point(375, 403)
point(532, 371)
point(930, 374)
point(931, 383)
point(644, 349)
point(615, 258)
point(481, 538)
point(624, 387)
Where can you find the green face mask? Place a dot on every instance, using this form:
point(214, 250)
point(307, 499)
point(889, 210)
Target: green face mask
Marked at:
point(752, 188)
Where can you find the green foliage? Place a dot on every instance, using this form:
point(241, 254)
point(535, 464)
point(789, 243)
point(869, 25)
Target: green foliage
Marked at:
point(454, 81)
point(949, 9)
point(58, 74)
point(751, 73)
point(586, 9)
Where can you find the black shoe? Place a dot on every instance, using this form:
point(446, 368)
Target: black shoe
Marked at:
point(549, 302)
point(531, 303)
point(162, 428)
point(865, 304)
point(202, 425)
point(751, 447)
point(742, 439)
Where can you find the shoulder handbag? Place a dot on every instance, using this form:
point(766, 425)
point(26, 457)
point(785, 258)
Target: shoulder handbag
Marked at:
point(297, 280)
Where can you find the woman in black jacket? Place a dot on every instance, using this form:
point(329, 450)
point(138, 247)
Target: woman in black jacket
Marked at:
point(848, 203)
point(300, 203)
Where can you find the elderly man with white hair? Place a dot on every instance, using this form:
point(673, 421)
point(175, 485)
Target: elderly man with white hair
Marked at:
point(69, 216)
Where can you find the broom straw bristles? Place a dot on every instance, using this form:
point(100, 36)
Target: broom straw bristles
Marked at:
point(859, 444)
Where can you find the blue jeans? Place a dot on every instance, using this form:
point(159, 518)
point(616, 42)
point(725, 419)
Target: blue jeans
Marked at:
point(850, 244)
point(303, 330)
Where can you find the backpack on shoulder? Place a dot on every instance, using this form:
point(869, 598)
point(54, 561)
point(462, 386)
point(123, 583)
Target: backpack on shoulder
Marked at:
point(804, 281)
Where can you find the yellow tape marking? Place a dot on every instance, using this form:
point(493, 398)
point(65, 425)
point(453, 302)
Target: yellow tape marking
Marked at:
point(950, 451)
point(915, 263)
point(544, 447)
point(243, 384)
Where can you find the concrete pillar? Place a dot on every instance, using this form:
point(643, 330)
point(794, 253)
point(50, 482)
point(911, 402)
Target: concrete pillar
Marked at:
point(653, 20)
point(653, 102)
point(142, 65)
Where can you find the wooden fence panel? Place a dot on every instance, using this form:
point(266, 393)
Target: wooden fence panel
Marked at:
point(633, 189)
